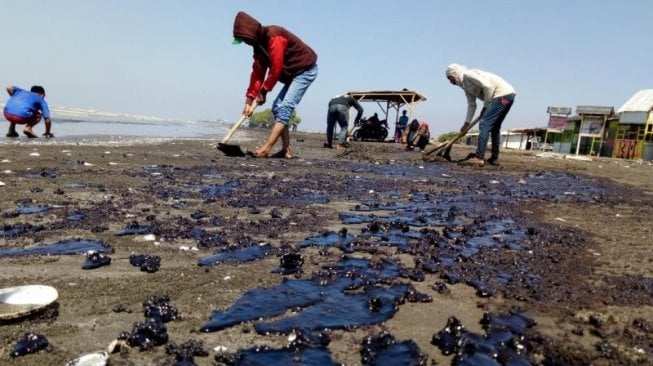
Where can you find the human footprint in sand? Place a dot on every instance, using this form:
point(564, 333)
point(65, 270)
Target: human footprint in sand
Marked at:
point(283, 57)
point(26, 108)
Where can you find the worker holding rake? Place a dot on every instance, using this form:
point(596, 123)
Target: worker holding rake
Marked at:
point(497, 96)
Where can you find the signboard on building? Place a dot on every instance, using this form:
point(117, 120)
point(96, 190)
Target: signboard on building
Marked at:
point(558, 110)
point(558, 122)
point(591, 126)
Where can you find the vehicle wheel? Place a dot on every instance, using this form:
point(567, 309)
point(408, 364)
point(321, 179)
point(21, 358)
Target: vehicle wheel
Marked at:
point(383, 135)
point(357, 135)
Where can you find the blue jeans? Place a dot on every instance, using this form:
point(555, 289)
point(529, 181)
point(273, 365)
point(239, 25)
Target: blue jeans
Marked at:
point(490, 125)
point(340, 114)
point(291, 94)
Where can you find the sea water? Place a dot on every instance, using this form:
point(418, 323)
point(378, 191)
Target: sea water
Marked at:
point(123, 130)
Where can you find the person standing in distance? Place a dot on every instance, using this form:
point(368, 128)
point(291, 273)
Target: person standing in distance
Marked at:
point(401, 125)
point(497, 96)
point(26, 108)
point(279, 56)
point(339, 112)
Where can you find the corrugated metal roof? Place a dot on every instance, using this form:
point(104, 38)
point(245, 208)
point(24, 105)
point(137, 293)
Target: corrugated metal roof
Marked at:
point(642, 101)
point(594, 109)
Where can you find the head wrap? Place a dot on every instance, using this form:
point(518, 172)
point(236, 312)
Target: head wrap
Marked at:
point(456, 71)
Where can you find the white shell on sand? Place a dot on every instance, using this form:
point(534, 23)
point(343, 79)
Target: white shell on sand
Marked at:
point(98, 358)
point(28, 295)
point(34, 154)
point(22, 300)
point(2, 184)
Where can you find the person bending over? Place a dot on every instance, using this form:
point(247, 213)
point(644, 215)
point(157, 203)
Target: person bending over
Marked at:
point(339, 112)
point(279, 56)
point(497, 96)
point(417, 134)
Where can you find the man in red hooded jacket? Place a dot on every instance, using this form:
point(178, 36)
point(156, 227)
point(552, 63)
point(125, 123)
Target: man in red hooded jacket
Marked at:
point(279, 56)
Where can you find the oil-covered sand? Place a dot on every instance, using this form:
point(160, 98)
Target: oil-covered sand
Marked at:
point(565, 241)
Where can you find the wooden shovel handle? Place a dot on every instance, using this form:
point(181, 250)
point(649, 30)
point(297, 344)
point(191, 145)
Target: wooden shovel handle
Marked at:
point(448, 144)
point(236, 125)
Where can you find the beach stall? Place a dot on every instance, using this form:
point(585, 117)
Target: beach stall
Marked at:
point(524, 139)
point(590, 129)
point(559, 134)
point(631, 134)
point(516, 138)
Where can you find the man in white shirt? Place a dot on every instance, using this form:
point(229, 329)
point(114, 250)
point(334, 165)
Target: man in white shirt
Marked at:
point(497, 96)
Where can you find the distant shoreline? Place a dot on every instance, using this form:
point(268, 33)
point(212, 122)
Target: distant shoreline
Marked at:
point(89, 132)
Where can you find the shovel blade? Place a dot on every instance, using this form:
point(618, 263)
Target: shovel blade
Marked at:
point(444, 153)
point(231, 150)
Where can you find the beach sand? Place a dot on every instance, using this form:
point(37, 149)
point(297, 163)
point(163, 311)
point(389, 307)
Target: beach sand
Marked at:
point(589, 245)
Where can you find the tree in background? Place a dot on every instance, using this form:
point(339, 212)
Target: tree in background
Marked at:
point(447, 136)
point(451, 135)
point(265, 119)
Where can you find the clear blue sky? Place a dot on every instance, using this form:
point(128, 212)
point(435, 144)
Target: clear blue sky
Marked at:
point(174, 59)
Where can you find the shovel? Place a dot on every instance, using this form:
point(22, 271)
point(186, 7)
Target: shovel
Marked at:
point(444, 149)
point(233, 150)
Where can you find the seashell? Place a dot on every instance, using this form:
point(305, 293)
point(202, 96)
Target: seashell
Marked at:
point(98, 358)
point(116, 345)
point(34, 154)
point(2, 184)
point(292, 337)
point(23, 300)
point(220, 349)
